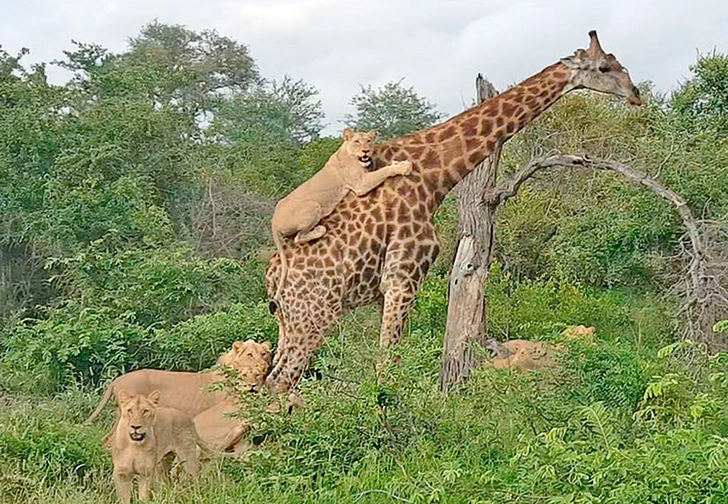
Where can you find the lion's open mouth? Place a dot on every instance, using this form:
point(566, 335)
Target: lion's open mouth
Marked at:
point(365, 160)
point(137, 436)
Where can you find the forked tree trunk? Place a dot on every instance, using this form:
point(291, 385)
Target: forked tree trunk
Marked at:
point(466, 299)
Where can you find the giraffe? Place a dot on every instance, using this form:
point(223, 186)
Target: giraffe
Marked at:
point(379, 247)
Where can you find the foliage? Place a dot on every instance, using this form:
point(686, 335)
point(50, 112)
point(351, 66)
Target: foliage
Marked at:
point(559, 434)
point(134, 211)
point(75, 346)
point(594, 227)
point(393, 110)
point(721, 326)
point(162, 309)
point(42, 448)
point(285, 112)
point(702, 101)
point(169, 65)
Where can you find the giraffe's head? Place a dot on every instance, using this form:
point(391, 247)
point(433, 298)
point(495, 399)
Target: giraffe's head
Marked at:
point(291, 358)
point(599, 71)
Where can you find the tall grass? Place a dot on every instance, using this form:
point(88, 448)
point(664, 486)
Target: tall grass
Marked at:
point(614, 422)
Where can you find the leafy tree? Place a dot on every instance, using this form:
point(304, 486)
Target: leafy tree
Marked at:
point(170, 65)
point(287, 112)
point(10, 66)
point(393, 110)
point(198, 67)
point(702, 101)
point(31, 126)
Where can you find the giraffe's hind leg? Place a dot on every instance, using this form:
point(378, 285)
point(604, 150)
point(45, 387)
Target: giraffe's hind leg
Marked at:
point(398, 300)
point(405, 265)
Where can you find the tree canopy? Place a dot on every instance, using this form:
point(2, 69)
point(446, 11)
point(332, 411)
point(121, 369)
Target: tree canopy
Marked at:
point(393, 109)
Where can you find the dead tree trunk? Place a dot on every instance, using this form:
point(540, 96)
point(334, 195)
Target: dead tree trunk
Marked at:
point(466, 300)
point(704, 299)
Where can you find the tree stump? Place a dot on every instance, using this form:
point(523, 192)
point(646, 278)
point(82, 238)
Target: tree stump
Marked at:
point(466, 299)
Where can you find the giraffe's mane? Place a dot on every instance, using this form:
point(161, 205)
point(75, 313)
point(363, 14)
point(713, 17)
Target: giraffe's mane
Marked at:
point(416, 136)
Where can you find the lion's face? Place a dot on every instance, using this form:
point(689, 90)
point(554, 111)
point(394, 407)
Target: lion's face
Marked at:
point(251, 359)
point(360, 145)
point(137, 413)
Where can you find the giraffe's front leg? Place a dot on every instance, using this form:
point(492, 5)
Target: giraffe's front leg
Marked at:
point(304, 328)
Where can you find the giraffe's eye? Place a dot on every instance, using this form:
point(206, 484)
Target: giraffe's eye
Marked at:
point(604, 68)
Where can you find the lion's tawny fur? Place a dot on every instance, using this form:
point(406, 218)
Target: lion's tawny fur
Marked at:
point(144, 435)
point(299, 213)
point(187, 391)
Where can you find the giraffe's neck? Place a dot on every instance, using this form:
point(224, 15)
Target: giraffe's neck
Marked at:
point(455, 147)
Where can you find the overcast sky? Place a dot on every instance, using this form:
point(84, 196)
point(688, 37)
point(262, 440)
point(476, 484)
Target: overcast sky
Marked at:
point(438, 46)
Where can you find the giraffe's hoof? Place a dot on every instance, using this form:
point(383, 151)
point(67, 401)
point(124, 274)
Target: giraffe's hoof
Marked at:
point(295, 401)
point(273, 306)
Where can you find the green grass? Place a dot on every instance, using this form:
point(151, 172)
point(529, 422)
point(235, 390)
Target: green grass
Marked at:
point(584, 432)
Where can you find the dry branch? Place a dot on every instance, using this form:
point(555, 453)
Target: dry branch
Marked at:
point(704, 300)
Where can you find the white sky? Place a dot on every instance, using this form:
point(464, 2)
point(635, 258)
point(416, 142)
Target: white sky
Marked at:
point(437, 45)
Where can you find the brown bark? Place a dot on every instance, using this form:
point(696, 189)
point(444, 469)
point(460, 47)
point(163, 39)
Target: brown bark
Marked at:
point(466, 299)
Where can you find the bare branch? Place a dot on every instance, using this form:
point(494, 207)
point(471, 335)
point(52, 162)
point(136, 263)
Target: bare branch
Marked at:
point(704, 300)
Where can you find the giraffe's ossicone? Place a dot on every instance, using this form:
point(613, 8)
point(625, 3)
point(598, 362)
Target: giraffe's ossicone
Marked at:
point(379, 247)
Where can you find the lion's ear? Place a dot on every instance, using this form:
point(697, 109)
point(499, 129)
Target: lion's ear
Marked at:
point(373, 134)
point(348, 133)
point(123, 397)
point(266, 345)
point(154, 397)
point(238, 346)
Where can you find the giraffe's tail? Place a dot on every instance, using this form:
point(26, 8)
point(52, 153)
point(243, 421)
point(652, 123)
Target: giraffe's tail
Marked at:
point(277, 240)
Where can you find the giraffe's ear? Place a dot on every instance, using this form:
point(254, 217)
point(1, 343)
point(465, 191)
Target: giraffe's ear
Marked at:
point(578, 61)
point(348, 132)
point(372, 135)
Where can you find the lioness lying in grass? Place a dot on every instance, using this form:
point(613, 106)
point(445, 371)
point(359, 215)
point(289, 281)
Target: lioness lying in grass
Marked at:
point(188, 391)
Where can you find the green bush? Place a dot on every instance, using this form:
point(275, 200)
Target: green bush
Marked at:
point(535, 309)
point(87, 346)
point(135, 309)
point(581, 432)
point(158, 287)
point(196, 343)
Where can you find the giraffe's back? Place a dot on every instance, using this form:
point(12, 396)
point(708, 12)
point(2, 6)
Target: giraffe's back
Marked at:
point(384, 233)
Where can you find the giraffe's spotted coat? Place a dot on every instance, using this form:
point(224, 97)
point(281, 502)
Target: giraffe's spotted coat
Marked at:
point(379, 247)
